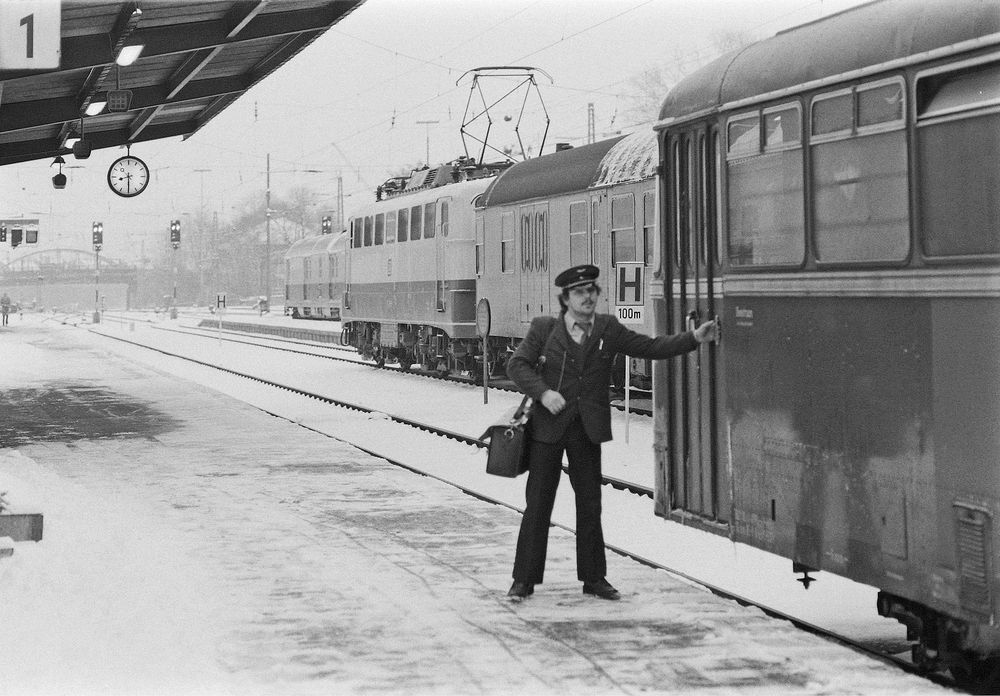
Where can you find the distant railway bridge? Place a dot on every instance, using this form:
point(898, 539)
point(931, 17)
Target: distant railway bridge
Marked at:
point(68, 280)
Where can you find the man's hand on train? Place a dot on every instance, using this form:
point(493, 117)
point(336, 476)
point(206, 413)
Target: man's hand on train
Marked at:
point(709, 331)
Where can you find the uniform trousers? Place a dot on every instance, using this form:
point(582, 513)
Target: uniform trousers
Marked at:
point(544, 472)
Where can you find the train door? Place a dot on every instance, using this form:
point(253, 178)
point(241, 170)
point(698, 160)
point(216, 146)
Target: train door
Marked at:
point(533, 256)
point(697, 476)
point(440, 233)
point(542, 284)
point(600, 246)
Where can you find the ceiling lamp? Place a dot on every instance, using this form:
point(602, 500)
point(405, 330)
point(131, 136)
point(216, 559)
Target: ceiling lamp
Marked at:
point(81, 148)
point(96, 107)
point(59, 180)
point(129, 54)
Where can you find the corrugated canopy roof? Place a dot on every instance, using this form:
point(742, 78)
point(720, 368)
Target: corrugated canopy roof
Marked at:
point(197, 59)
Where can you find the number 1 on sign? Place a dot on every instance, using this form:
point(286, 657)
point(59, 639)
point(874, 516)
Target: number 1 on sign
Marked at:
point(29, 40)
point(30, 34)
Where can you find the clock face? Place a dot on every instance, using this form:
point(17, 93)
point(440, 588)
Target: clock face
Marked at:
point(128, 176)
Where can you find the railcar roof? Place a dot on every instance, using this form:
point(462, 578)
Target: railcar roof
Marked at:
point(849, 42)
point(313, 244)
point(549, 175)
point(633, 158)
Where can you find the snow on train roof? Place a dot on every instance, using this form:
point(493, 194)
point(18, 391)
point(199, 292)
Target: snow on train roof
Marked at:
point(844, 45)
point(549, 175)
point(633, 158)
point(315, 244)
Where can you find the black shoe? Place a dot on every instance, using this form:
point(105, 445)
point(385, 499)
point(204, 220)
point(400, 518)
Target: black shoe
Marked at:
point(601, 588)
point(520, 590)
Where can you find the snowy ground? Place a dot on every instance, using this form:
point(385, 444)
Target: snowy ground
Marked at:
point(68, 626)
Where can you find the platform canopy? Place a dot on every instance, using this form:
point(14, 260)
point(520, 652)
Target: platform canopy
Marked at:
point(196, 59)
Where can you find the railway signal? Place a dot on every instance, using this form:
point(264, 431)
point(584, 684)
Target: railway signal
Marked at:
point(175, 233)
point(98, 235)
point(327, 224)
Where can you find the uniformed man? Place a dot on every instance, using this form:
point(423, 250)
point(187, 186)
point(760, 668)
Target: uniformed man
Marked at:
point(564, 364)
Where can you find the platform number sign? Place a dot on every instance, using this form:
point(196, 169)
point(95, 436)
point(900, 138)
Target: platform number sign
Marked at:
point(30, 34)
point(630, 288)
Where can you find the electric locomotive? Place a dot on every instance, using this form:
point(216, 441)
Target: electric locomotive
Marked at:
point(411, 289)
point(839, 210)
point(314, 272)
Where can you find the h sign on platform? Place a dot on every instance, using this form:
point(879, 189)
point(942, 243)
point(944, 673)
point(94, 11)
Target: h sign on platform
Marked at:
point(630, 289)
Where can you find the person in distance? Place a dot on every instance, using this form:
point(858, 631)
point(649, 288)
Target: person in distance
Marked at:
point(564, 363)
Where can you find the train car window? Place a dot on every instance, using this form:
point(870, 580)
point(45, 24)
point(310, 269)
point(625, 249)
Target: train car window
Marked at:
point(356, 233)
point(525, 241)
point(416, 221)
point(704, 170)
point(717, 190)
point(542, 233)
point(444, 218)
point(507, 243)
point(368, 230)
point(766, 209)
point(860, 196)
point(833, 114)
point(782, 127)
point(622, 229)
point(403, 224)
point(480, 243)
point(648, 226)
point(693, 226)
point(595, 231)
point(677, 170)
point(379, 228)
point(958, 146)
point(878, 105)
point(579, 234)
point(430, 223)
point(390, 227)
point(744, 135)
point(941, 94)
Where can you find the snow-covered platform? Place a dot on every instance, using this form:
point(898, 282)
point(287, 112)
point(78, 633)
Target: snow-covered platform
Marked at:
point(195, 544)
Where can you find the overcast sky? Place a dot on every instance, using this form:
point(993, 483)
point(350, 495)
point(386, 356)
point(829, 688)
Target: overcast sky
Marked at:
point(356, 103)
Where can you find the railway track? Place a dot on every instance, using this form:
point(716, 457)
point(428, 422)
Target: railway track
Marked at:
point(613, 483)
point(348, 355)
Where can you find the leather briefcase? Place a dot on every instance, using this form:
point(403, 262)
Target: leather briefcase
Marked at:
point(508, 447)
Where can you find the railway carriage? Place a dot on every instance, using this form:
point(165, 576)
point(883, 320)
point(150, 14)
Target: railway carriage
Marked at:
point(590, 204)
point(833, 195)
point(314, 272)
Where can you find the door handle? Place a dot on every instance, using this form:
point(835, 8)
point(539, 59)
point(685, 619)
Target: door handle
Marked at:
point(692, 320)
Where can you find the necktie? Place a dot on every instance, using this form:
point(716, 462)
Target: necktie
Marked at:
point(584, 327)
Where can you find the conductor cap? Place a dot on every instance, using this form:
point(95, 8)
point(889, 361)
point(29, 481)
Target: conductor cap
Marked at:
point(577, 275)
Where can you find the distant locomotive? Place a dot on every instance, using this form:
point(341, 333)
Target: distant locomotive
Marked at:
point(833, 195)
point(411, 290)
point(314, 272)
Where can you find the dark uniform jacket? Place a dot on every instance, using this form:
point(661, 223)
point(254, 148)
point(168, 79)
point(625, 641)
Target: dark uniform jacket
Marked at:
point(581, 372)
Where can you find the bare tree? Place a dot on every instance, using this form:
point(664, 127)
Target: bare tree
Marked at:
point(648, 88)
